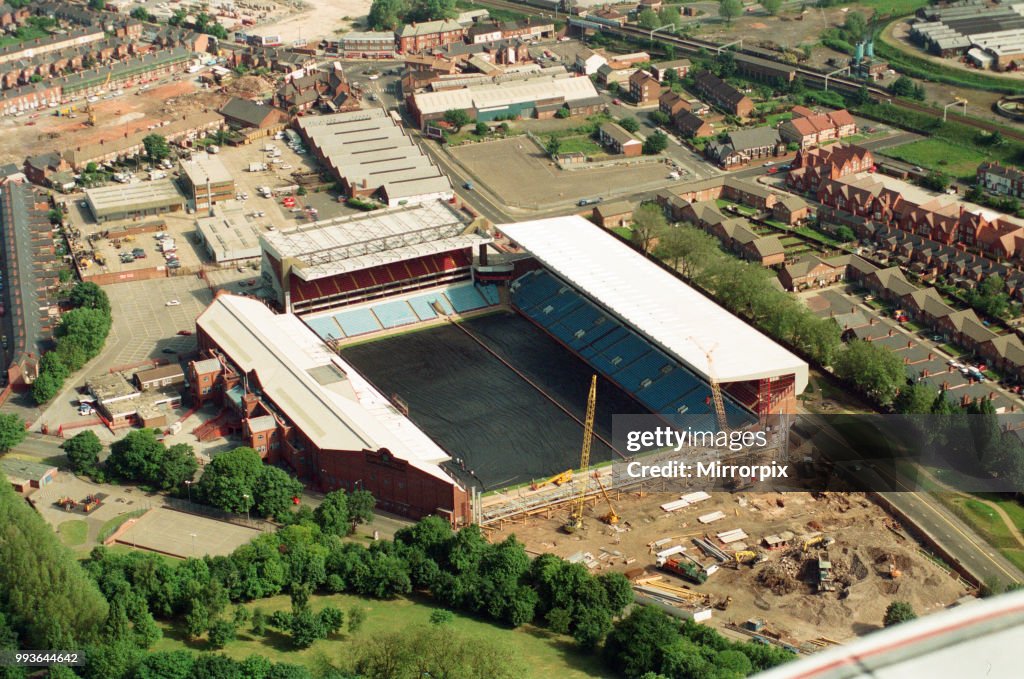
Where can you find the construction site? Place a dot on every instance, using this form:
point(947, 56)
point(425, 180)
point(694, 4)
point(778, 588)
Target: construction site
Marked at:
point(806, 570)
point(119, 114)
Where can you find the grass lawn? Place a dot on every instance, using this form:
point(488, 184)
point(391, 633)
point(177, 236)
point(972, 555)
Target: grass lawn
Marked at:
point(893, 7)
point(1012, 508)
point(1015, 556)
point(825, 239)
point(580, 144)
point(935, 154)
point(741, 209)
point(548, 655)
point(113, 524)
point(73, 533)
point(624, 231)
point(985, 520)
point(777, 118)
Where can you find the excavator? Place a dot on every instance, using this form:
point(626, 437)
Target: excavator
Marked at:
point(747, 556)
point(819, 540)
point(557, 479)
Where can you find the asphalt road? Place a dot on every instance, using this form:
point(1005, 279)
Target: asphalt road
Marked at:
point(930, 517)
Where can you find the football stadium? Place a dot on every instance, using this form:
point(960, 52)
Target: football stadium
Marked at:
point(482, 339)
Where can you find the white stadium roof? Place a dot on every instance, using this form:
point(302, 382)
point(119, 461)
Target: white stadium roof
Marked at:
point(322, 394)
point(356, 242)
point(664, 308)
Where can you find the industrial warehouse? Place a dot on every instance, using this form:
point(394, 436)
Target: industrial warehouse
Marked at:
point(130, 201)
point(370, 155)
point(537, 97)
point(991, 36)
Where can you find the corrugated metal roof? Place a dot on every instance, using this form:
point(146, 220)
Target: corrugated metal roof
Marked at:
point(346, 414)
point(667, 310)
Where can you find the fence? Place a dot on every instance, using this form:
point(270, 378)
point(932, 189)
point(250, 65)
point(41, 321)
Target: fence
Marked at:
point(188, 507)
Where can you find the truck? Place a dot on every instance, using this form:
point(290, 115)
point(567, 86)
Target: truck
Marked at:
point(257, 167)
point(685, 569)
point(213, 148)
point(264, 191)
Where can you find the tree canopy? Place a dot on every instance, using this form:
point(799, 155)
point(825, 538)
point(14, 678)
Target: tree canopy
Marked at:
point(12, 431)
point(897, 612)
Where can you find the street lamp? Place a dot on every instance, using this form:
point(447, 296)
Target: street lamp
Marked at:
point(193, 543)
point(188, 484)
point(247, 519)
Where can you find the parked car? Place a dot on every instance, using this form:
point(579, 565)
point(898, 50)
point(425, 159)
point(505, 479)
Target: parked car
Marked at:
point(172, 302)
point(185, 333)
point(169, 351)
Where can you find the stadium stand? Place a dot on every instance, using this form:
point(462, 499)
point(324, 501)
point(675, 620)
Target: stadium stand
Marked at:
point(617, 352)
point(394, 313)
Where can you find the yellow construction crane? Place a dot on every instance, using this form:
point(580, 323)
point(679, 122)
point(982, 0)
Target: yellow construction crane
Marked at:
point(612, 517)
point(716, 389)
point(575, 521)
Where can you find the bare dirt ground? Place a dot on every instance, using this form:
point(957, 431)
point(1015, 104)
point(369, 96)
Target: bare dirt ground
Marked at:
point(779, 590)
point(784, 30)
point(318, 19)
point(117, 117)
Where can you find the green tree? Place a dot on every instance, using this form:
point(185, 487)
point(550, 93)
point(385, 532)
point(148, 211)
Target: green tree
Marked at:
point(45, 387)
point(141, 14)
point(655, 143)
point(361, 504)
point(83, 452)
point(686, 248)
point(845, 234)
point(221, 632)
point(45, 596)
point(86, 327)
point(897, 612)
point(177, 465)
point(457, 118)
point(553, 147)
point(305, 628)
point(915, 398)
point(637, 643)
point(165, 665)
point(660, 117)
point(730, 9)
point(332, 515)
point(648, 19)
point(386, 15)
point(259, 622)
point(903, 87)
point(666, 16)
point(772, 6)
point(630, 125)
point(356, 618)
point(431, 10)
point(648, 222)
point(136, 457)
point(156, 146)
point(936, 181)
point(855, 26)
point(481, 129)
point(230, 477)
point(97, 5)
point(273, 492)
point(12, 431)
point(872, 368)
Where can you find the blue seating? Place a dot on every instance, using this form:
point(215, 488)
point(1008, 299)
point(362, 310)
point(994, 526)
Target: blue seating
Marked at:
point(421, 307)
point(668, 388)
point(618, 352)
point(394, 314)
point(465, 298)
point(628, 349)
point(647, 367)
point(357, 322)
point(489, 293)
point(325, 327)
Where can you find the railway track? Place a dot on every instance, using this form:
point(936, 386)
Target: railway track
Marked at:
point(811, 77)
